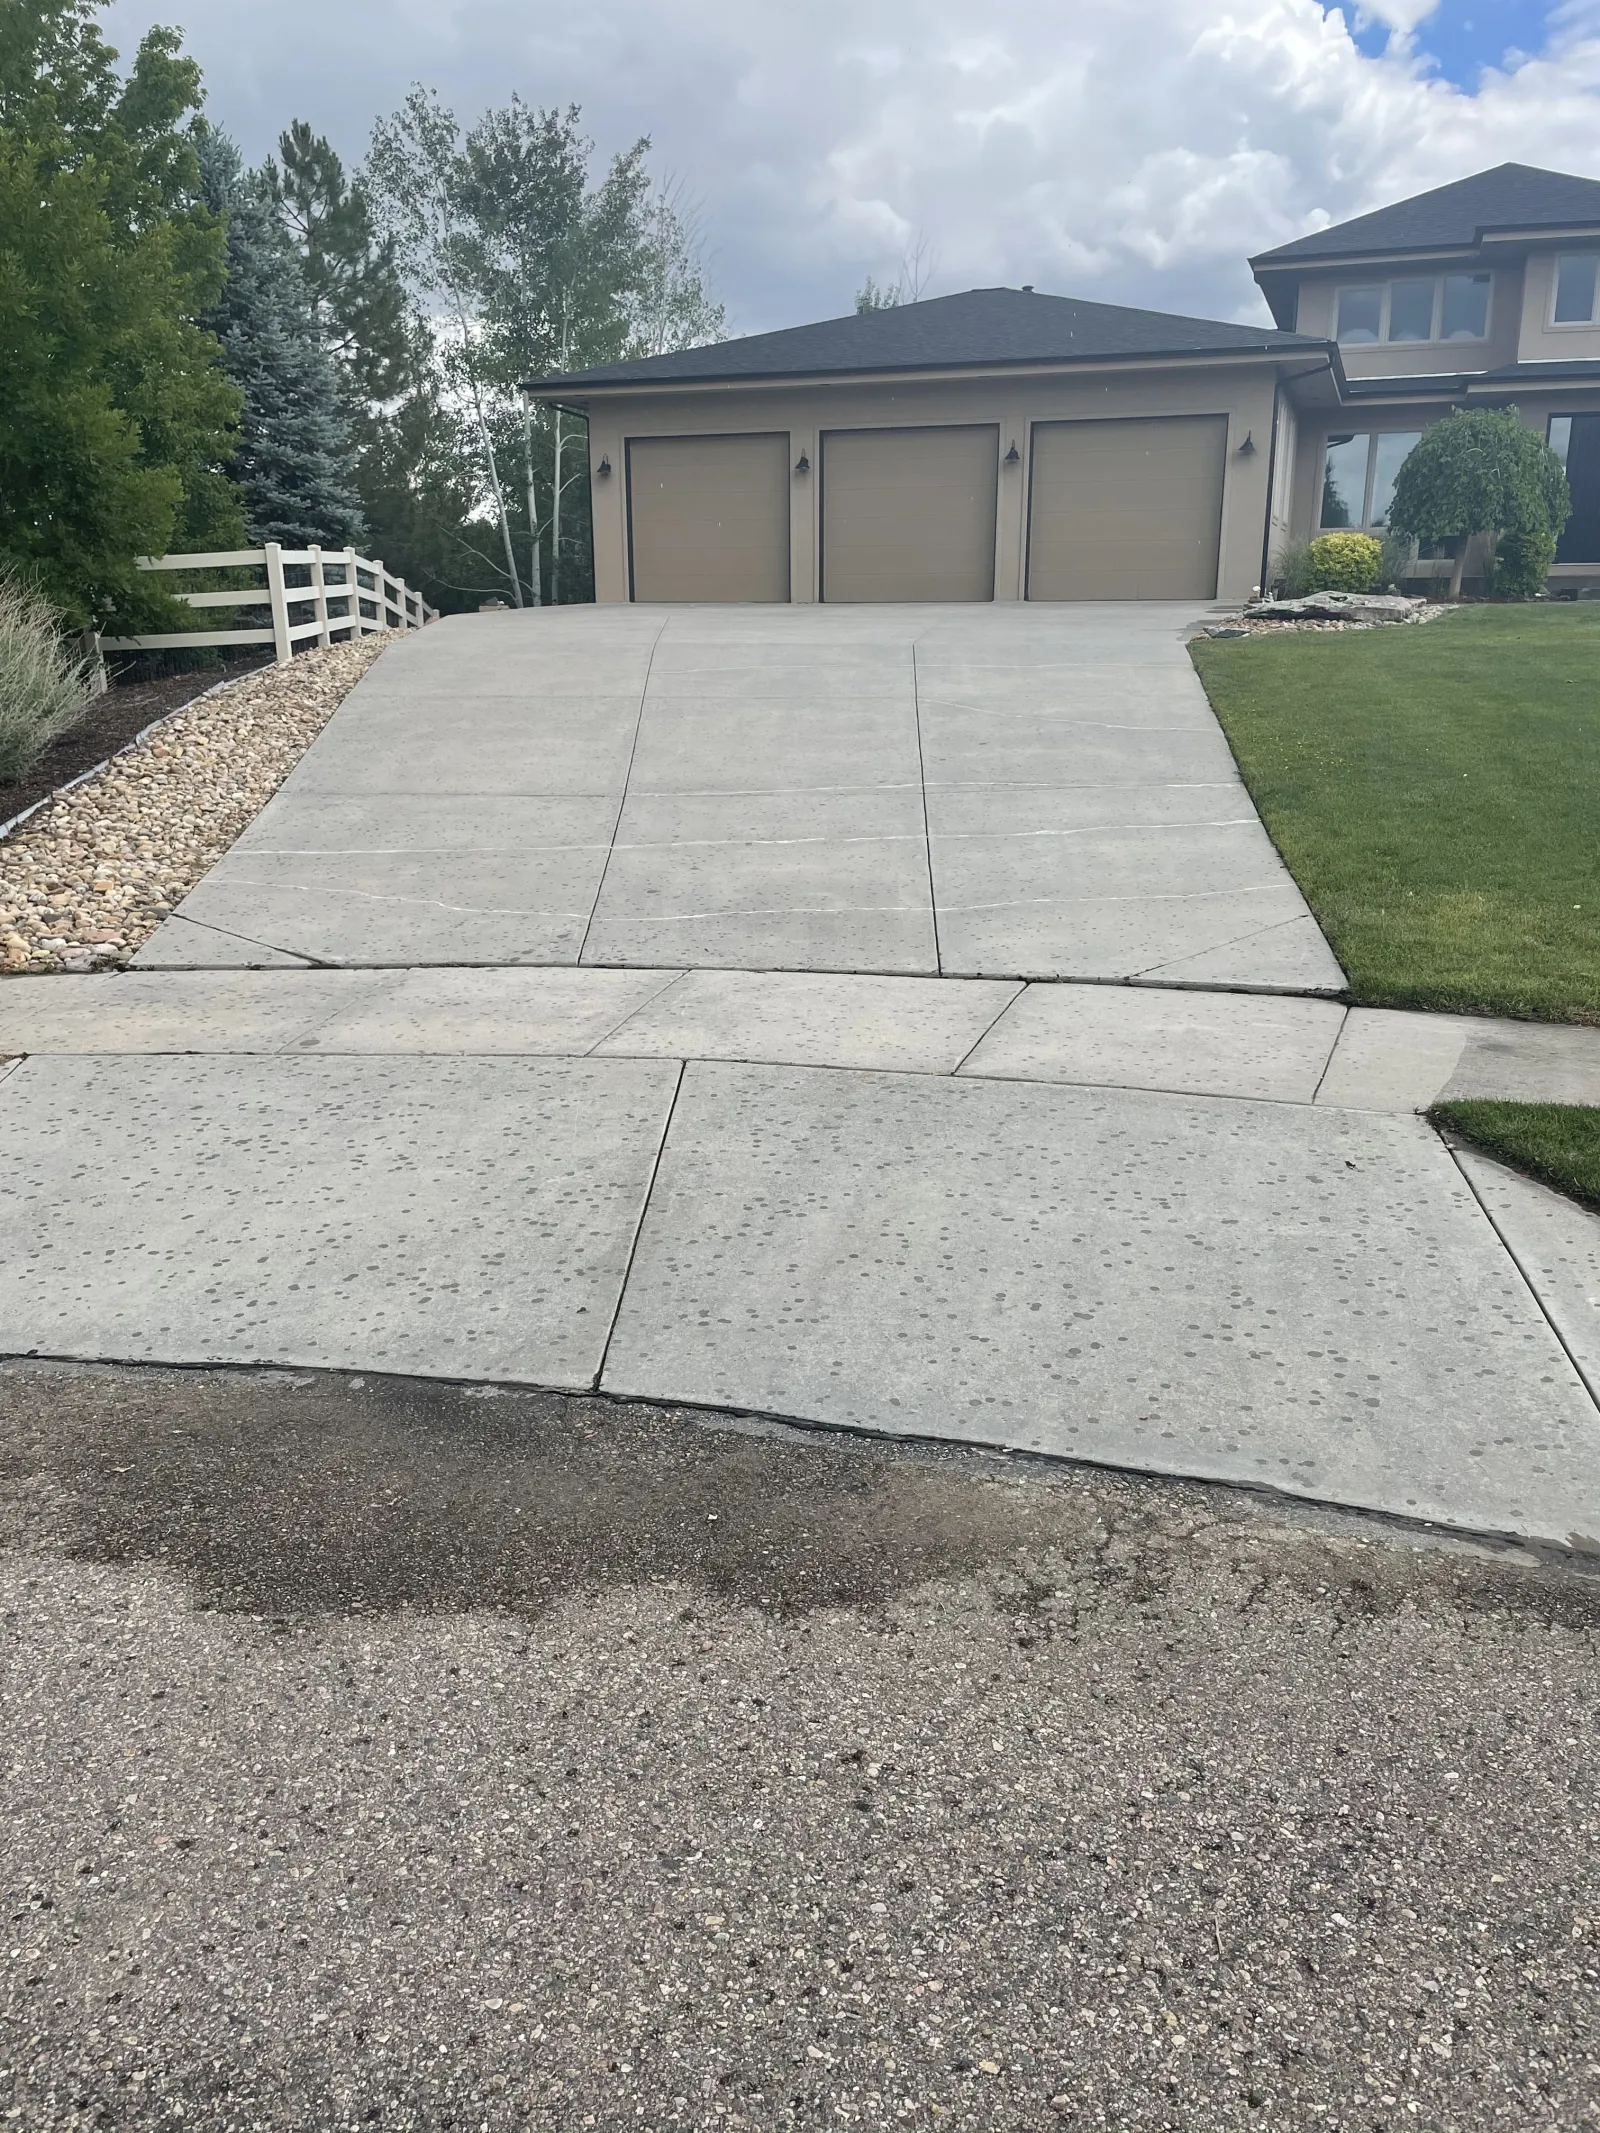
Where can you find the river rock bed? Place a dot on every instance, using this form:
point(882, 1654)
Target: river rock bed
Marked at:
point(87, 880)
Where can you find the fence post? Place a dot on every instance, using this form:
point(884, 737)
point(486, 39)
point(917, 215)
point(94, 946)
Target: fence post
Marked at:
point(319, 595)
point(380, 596)
point(353, 602)
point(280, 603)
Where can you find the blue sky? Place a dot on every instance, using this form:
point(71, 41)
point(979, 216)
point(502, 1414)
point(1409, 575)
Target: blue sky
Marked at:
point(1130, 150)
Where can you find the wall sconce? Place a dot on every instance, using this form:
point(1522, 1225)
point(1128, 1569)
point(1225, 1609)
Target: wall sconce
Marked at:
point(1247, 450)
point(802, 465)
point(604, 468)
point(1013, 457)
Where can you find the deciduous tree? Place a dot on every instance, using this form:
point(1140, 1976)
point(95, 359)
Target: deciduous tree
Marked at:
point(1480, 471)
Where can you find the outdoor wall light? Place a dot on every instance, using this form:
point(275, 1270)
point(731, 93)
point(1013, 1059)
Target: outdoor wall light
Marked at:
point(802, 465)
point(604, 468)
point(1013, 457)
point(1248, 448)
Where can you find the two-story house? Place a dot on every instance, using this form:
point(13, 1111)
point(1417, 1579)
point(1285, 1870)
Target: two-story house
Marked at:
point(1003, 444)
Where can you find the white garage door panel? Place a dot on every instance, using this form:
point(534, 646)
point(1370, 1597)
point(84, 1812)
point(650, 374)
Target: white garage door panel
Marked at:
point(1126, 510)
point(908, 514)
point(708, 517)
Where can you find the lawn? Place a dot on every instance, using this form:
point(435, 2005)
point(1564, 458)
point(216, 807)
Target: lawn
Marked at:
point(1436, 794)
point(1557, 1143)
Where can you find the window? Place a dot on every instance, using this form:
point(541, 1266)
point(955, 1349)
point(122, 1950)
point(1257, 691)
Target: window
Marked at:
point(1576, 273)
point(1358, 477)
point(1575, 440)
point(1360, 313)
point(1434, 307)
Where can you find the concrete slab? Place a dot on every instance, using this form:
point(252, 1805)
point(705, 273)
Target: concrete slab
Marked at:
point(525, 899)
point(551, 1011)
point(973, 748)
point(447, 1217)
point(1386, 1061)
point(897, 1025)
point(709, 746)
point(1528, 1062)
point(1302, 1299)
point(1285, 954)
point(458, 742)
point(181, 943)
point(1556, 1243)
point(1208, 1044)
point(175, 1010)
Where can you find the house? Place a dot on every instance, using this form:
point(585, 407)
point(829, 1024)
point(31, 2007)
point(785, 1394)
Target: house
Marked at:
point(1007, 445)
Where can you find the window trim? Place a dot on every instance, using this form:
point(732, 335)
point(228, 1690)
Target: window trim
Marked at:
point(1435, 338)
point(1364, 524)
point(1572, 325)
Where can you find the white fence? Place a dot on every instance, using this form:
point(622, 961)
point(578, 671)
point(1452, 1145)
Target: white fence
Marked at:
point(345, 596)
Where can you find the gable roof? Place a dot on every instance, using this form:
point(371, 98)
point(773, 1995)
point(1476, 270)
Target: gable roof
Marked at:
point(1512, 196)
point(978, 329)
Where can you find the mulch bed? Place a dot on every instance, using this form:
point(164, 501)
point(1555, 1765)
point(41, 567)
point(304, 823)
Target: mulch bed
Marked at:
point(110, 723)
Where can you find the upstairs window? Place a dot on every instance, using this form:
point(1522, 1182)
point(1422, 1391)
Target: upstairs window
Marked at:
point(1576, 275)
point(1358, 476)
point(1432, 307)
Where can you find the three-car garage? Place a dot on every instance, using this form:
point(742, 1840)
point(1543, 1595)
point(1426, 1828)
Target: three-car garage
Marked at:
point(1115, 510)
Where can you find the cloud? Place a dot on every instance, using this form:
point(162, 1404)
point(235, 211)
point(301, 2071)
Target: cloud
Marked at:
point(1131, 150)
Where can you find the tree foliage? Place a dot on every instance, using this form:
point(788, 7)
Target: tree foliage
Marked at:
point(1479, 471)
point(114, 409)
point(294, 463)
point(527, 266)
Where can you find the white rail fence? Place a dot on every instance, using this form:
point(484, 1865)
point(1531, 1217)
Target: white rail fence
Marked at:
point(344, 595)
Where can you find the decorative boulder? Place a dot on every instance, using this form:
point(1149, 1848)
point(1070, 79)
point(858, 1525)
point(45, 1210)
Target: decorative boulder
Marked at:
point(1337, 607)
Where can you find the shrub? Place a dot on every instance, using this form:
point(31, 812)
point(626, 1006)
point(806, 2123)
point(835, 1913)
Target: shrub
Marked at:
point(1522, 563)
point(1290, 573)
point(1344, 562)
point(1399, 559)
point(1479, 471)
point(44, 685)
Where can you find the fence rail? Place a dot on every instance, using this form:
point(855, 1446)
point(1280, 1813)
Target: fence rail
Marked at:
point(345, 595)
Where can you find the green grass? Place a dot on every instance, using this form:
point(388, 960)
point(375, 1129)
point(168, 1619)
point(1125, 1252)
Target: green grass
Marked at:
point(1557, 1143)
point(1436, 794)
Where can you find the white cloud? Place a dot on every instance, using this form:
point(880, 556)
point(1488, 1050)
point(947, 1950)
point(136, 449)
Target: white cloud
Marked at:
point(1132, 150)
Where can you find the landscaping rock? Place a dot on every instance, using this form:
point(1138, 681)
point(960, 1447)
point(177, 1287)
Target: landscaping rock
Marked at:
point(1339, 607)
point(86, 880)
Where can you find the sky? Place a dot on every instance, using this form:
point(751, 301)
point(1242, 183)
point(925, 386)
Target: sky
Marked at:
point(1134, 151)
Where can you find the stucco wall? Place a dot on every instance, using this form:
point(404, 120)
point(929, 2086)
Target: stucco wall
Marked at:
point(1542, 341)
point(1243, 393)
point(1318, 313)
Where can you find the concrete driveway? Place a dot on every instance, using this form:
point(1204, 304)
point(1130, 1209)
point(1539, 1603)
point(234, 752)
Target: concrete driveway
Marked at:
point(1010, 792)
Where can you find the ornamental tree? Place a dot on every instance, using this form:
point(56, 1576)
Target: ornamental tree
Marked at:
point(1479, 471)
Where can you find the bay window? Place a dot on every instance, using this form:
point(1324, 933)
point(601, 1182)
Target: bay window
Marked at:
point(1429, 307)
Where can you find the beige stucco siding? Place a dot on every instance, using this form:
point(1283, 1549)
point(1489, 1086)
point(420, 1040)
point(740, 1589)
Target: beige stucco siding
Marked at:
point(1011, 403)
point(1318, 314)
point(1542, 340)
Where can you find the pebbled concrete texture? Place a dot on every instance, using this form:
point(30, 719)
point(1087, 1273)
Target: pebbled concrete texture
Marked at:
point(1556, 1243)
point(1305, 1300)
point(444, 1216)
point(720, 789)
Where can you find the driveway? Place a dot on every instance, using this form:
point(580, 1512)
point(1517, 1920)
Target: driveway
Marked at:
point(1009, 792)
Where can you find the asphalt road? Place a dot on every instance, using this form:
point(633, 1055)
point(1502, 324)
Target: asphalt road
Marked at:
point(382, 1754)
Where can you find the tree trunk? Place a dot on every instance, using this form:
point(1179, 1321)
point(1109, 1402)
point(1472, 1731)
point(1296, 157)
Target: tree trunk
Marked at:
point(1458, 565)
point(555, 523)
point(535, 593)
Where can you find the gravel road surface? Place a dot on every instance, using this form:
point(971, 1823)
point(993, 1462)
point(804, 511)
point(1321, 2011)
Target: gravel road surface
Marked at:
point(389, 1755)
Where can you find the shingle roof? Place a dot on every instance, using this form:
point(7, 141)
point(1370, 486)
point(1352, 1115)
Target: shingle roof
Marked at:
point(1512, 196)
point(981, 327)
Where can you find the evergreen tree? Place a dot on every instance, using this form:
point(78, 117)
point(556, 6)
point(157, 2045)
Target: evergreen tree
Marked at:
point(295, 462)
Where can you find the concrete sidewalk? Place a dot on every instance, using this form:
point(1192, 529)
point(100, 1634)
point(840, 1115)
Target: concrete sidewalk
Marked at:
point(927, 1208)
point(980, 792)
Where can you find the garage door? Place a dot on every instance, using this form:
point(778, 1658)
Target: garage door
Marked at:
point(708, 517)
point(908, 514)
point(1126, 510)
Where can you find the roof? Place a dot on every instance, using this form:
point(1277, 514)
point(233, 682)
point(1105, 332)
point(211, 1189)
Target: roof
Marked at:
point(1512, 196)
point(979, 329)
point(1576, 370)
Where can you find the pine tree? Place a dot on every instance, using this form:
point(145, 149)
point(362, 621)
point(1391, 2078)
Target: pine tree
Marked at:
point(295, 462)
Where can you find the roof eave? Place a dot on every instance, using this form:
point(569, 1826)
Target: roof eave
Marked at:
point(566, 387)
point(1285, 261)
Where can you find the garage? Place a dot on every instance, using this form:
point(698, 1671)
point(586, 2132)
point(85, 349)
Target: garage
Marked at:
point(909, 514)
point(708, 517)
point(1126, 510)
